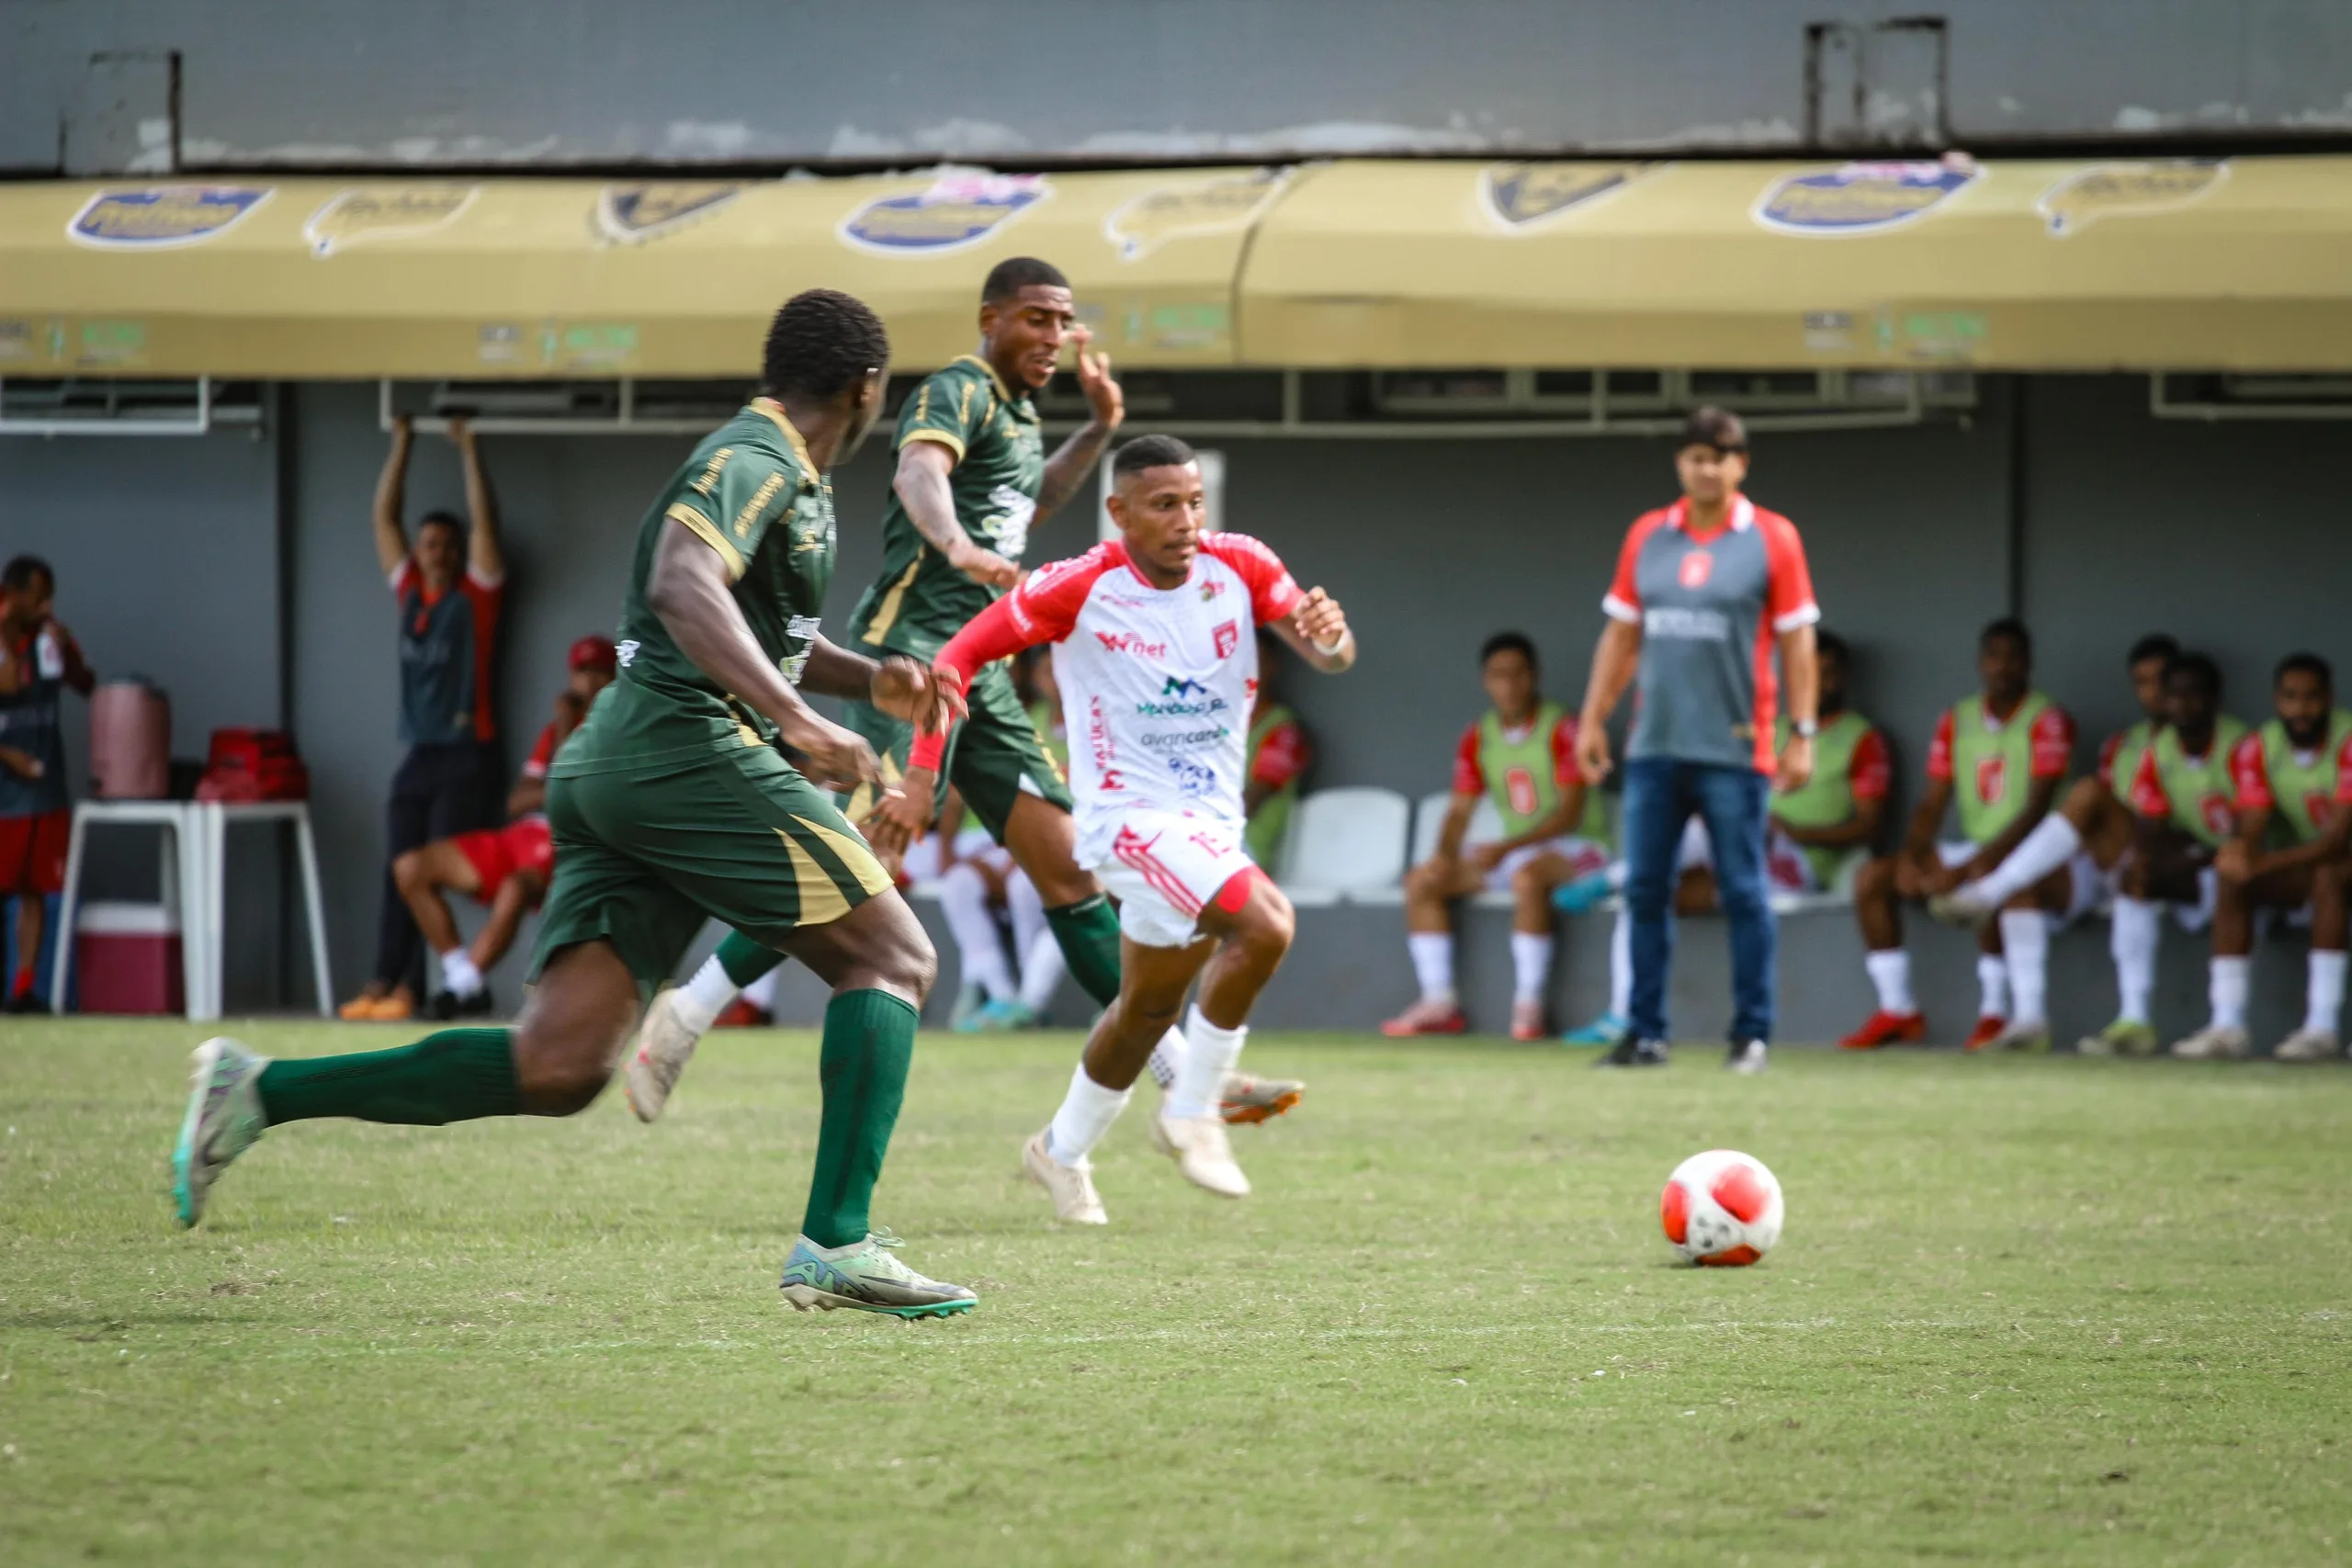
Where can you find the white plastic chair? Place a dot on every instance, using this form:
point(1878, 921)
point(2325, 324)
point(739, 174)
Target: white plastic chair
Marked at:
point(1345, 841)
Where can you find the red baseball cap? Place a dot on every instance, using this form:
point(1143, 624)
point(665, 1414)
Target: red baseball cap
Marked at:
point(595, 653)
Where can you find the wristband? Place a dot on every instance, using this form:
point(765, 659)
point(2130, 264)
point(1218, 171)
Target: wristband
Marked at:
point(1805, 729)
point(1328, 649)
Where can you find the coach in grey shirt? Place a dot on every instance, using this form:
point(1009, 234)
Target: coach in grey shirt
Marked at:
point(1707, 591)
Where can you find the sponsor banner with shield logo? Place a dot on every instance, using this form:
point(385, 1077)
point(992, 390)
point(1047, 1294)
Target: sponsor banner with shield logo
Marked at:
point(1217, 204)
point(1861, 199)
point(1523, 197)
point(367, 213)
point(956, 210)
point(152, 218)
point(2127, 190)
point(632, 214)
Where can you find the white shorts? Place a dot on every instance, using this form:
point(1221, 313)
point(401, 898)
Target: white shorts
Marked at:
point(2088, 888)
point(1585, 855)
point(1165, 867)
point(1787, 868)
point(921, 862)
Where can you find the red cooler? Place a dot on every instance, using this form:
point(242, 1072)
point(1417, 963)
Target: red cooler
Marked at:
point(127, 958)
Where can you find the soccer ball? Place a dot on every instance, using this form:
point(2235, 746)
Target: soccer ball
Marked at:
point(1722, 1207)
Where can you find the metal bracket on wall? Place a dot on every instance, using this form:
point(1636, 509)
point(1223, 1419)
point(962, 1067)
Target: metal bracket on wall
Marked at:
point(83, 406)
point(2217, 395)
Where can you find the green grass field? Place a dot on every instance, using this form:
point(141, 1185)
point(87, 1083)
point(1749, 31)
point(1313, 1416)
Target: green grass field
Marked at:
point(2025, 1311)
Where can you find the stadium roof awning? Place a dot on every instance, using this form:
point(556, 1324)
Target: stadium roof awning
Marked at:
point(2238, 264)
point(547, 278)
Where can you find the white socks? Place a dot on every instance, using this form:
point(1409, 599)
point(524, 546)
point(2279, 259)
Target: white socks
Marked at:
point(980, 951)
point(1432, 963)
point(2227, 990)
point(459, 976)
point(761, 993)
point(1620, 966)
point(2051, 845)
point(1086, 1112)
point(1164, 1057)
point(1890, 975)
point(699, 1002)
point(1209, 1055)
point(2025, 946)
point(1530, 963)
point(1992, 986)
point(2325, 999)
point(2132, 944)
point(1041, 968)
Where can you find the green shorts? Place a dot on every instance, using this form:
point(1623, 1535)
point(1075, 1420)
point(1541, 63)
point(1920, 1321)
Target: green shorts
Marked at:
point(643, 853)
point(993, 757)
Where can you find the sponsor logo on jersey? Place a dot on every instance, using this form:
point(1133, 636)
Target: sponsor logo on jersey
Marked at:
point(1128, 642)
point(1180, 710)
point(1523, 197)
point(1196, 779)
point(954, 211)
point(366, 213)
point(1187, 737)
point(1691, 625)
point(1215, 203)
point(1183, 686)
point(1696, 567)
point(2219, 815)
point(632, 214)
point(1992, 779)
point(1010, 527)
point(1099, 742)
point(1860, 199)
point(1211, 589)
point(2127, 190)
point(1228, 638)
point(625, 652)
point(803, 630)
point(151, 217)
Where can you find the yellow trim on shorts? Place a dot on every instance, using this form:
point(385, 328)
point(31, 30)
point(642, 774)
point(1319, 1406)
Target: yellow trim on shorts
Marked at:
point(708, 532)
point(886, 614)
point(821, 899)
point(854, 855)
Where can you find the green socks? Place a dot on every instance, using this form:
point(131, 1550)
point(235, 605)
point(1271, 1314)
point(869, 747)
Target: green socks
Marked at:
point(745, 960)
point(458, 1075)
point(869, 1044)
point(1088, 934)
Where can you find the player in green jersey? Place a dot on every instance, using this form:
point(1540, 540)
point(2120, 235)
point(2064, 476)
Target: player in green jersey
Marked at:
point(674, 802)
point(2088, 840)
point(1998, 758)
point(2292, 783)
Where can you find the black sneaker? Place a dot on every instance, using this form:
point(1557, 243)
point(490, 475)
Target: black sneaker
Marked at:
point(1631, 1053)
point(1747, 1057)
point(447, 1005)
point(30, 1002)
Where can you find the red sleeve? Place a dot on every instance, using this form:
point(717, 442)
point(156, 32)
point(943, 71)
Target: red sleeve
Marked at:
point(1870, 772)
point(2053, 743)
point(2250, 774)
point(1624, 601)
point(1469, 775)
point(2148, 796)
point(1788, 594)
point(1273, 593)
point(1281, 758)
point(542, 754)
point(2106, 751)
point(1939, 750)
point(404, 575)
point(1564, 753)
point(1042, 607)
point(2344, 772)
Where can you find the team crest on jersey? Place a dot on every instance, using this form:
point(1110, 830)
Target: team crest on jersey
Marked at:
point(1213, 205)
point(956, 210)
point(152, 218)
point(1696, 567)
point(1524, 197)
point(1992, 779)
point(2221, 817)
point(366, 213)
point(1211, 589)
point(632, 214)
point(2127, 190)
point(1860, 199)
point(1228, 638)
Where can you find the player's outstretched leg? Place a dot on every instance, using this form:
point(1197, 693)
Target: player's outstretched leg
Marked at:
point(681, 1016)
point(1253, 924)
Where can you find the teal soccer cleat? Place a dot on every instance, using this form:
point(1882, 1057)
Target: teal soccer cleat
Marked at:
point(864, 1277)
point(224, 1119)
point(1606, 1030)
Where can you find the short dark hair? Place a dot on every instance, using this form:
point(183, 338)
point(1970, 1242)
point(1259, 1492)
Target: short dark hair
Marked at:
point(2198, 668)
point(1829, 642)
point(441, 519)
point(18, 574)
point(2155, 645)
point(2309, 664)
point(1719, 428)
point(1507, 642)
point(1013, 273)
point(2007, 626)
point(821, 344)
point(1150, 452)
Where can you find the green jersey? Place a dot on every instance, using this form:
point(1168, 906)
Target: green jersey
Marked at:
point(1850, 765)
point(2301, 787)
point(1524, 774)
point(920, 601)
point(1990, 763)
point(2119, 760)
point(2194, 793)
point(751, 493)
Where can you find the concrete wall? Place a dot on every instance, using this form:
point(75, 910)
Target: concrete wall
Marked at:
point(439, 82)
point(174, 561)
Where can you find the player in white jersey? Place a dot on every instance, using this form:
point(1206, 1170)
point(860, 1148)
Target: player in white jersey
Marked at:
point(1155, 653)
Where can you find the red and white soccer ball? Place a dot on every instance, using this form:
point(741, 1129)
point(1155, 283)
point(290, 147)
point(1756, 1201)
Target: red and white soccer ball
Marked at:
point(1722, 1207)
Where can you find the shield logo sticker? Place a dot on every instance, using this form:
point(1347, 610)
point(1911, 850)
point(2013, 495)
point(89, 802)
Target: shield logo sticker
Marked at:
point(1213, 206)
point(368, 213)
point(1521, 197)
point(2121, 190)
point(955, 211)
point(1861, 199)
point(152, 218)
point(632, 214)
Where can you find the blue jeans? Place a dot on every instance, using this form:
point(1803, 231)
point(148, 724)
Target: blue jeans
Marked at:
point(1662, 794)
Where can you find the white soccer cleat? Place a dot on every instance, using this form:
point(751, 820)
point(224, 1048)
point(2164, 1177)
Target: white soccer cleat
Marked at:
point(1071, 1187)
point(1749, 1058)
point(660, 1053)
point(1966, 905)
point(1202, 1154)
point(2214, 1044)
point(223, 1119)
point(2309, 1045)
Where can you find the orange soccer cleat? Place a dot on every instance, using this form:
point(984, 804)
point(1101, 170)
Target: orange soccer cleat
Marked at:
point(1426, 1017)
point(1989, 1028)
point(1884, 1028)
point(741, 1014)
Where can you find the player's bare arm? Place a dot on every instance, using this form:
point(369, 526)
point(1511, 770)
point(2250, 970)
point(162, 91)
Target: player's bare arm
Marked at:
point(482, 556)
point(78, 674)
point(392, 493)
point(922, 488)
point(1800, 661)
point(902, 687)
point(1106, 408)
point(689, 593)
point(1917, 871)
point(1317, 632)
point(1614, 660)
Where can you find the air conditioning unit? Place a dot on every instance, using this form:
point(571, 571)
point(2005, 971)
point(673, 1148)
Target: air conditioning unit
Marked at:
point(567, 408)
point(2214, 395)
point(101, 406)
